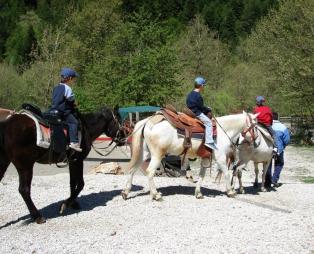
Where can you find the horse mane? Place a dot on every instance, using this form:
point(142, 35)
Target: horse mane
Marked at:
point(92, 117)
point(232, 117)
point(230, 120)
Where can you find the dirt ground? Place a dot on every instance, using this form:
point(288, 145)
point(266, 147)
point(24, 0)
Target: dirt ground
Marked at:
point(278, 221)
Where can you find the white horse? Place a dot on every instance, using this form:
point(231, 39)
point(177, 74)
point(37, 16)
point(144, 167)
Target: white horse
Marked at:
point(161, 138)
point(256, 146)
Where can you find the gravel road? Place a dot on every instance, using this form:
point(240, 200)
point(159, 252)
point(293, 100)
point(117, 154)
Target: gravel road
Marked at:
point(278, 221)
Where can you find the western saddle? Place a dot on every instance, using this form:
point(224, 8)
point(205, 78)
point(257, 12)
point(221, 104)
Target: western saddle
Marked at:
point(188, 125)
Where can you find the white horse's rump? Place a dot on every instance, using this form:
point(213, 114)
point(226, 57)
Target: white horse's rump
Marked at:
point(161, 138)
point(259, 151)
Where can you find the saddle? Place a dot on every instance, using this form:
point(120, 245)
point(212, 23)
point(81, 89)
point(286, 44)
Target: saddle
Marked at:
point(189, 126)
point(51, 130)
point(264, 131)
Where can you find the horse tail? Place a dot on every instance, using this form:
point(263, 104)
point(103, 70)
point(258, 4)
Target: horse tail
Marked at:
point(137, 144)
point(4, 163)
point(1, 136)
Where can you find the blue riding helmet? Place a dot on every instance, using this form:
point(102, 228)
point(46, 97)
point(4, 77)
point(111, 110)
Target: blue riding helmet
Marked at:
point(200, 81)
point(68, 72)
point(260, 99)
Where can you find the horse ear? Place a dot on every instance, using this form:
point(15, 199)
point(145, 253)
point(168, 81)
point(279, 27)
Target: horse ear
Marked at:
point(255, 115)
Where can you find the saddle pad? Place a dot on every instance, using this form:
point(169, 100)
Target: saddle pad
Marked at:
point(157, 118)
point(43, 135)
point(42, 132)
point(265, 133)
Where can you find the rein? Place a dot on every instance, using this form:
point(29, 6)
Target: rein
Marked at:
point(112, 140)
point(251, 126)
point(233, 144)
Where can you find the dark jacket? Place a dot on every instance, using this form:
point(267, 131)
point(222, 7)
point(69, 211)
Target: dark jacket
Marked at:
point(63, 100)
point(194, 101)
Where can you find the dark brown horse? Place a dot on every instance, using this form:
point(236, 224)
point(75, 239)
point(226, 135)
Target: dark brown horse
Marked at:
point(18, 145)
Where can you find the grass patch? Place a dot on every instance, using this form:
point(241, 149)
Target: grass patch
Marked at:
point(308, 179)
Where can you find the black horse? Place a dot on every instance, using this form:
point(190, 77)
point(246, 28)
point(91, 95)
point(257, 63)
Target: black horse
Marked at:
point(18, 145)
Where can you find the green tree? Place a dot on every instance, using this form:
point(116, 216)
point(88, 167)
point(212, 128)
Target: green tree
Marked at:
point(202, 53)
point(283, 45)
point(23, 39)
point(11, 87)
point(137, 67)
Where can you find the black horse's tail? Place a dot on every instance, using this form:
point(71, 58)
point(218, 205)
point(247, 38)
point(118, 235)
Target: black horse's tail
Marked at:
point(1, 136)
point(4, 162)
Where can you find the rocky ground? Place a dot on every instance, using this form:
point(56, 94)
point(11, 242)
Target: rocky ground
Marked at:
point(278, 221)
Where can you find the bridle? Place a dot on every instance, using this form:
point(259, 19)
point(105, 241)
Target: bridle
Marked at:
point(123, 128)
point(251, 129)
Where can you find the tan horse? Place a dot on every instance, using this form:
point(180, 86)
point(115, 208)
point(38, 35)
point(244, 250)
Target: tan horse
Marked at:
point(161, 138)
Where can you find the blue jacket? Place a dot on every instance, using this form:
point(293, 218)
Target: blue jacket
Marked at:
point(282, 135)
point(194, 101)
point(62, 99)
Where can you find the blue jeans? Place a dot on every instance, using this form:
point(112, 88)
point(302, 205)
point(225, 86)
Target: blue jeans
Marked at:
point(73, 125)
point(279, 162)
point(273, 134)
point(208, 128)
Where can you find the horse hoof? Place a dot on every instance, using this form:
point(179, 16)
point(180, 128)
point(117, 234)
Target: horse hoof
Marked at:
point(190, 179)
point(75, 205)
point(40, 220)
point(242, 191)
point(124, 195)
point(158, 197)
point(199, 196)
point(263, 189)
point(231, 194)
point(62, 208)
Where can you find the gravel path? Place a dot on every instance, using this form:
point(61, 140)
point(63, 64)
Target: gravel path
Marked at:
point(279, 221)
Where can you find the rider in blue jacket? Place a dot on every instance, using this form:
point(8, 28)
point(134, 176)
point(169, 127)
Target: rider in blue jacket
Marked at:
point(63, 101)
point(194, 102)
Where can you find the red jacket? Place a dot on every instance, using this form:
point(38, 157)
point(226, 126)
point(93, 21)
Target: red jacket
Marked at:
point(265, 116)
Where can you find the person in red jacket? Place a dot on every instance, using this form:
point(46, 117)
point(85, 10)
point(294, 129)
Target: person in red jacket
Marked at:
point(265, 118)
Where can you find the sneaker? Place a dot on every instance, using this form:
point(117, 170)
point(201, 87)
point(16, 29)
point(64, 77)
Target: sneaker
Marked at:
point(76, 147)
point(276, 185)
point(211, 146)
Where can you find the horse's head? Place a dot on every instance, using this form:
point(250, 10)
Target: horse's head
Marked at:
point(113, 127)
point(249, 132)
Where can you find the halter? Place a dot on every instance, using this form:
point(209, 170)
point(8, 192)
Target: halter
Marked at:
point(124, 129)
point(250, 129)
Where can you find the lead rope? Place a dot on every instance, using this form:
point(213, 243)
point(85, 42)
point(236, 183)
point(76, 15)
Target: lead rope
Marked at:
point(126, 138)
point(233, 144)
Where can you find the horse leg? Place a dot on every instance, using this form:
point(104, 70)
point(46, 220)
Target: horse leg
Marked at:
point(241, 189)
point(265, 168)
point(150, 171)
point(223, 167)
point(76, 185)
point(198, 193)
point(128, 186)
point(4, 163)
point(25, 180)
point(255, 185)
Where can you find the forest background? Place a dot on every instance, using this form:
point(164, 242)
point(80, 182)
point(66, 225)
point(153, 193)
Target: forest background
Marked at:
point(148, 52)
